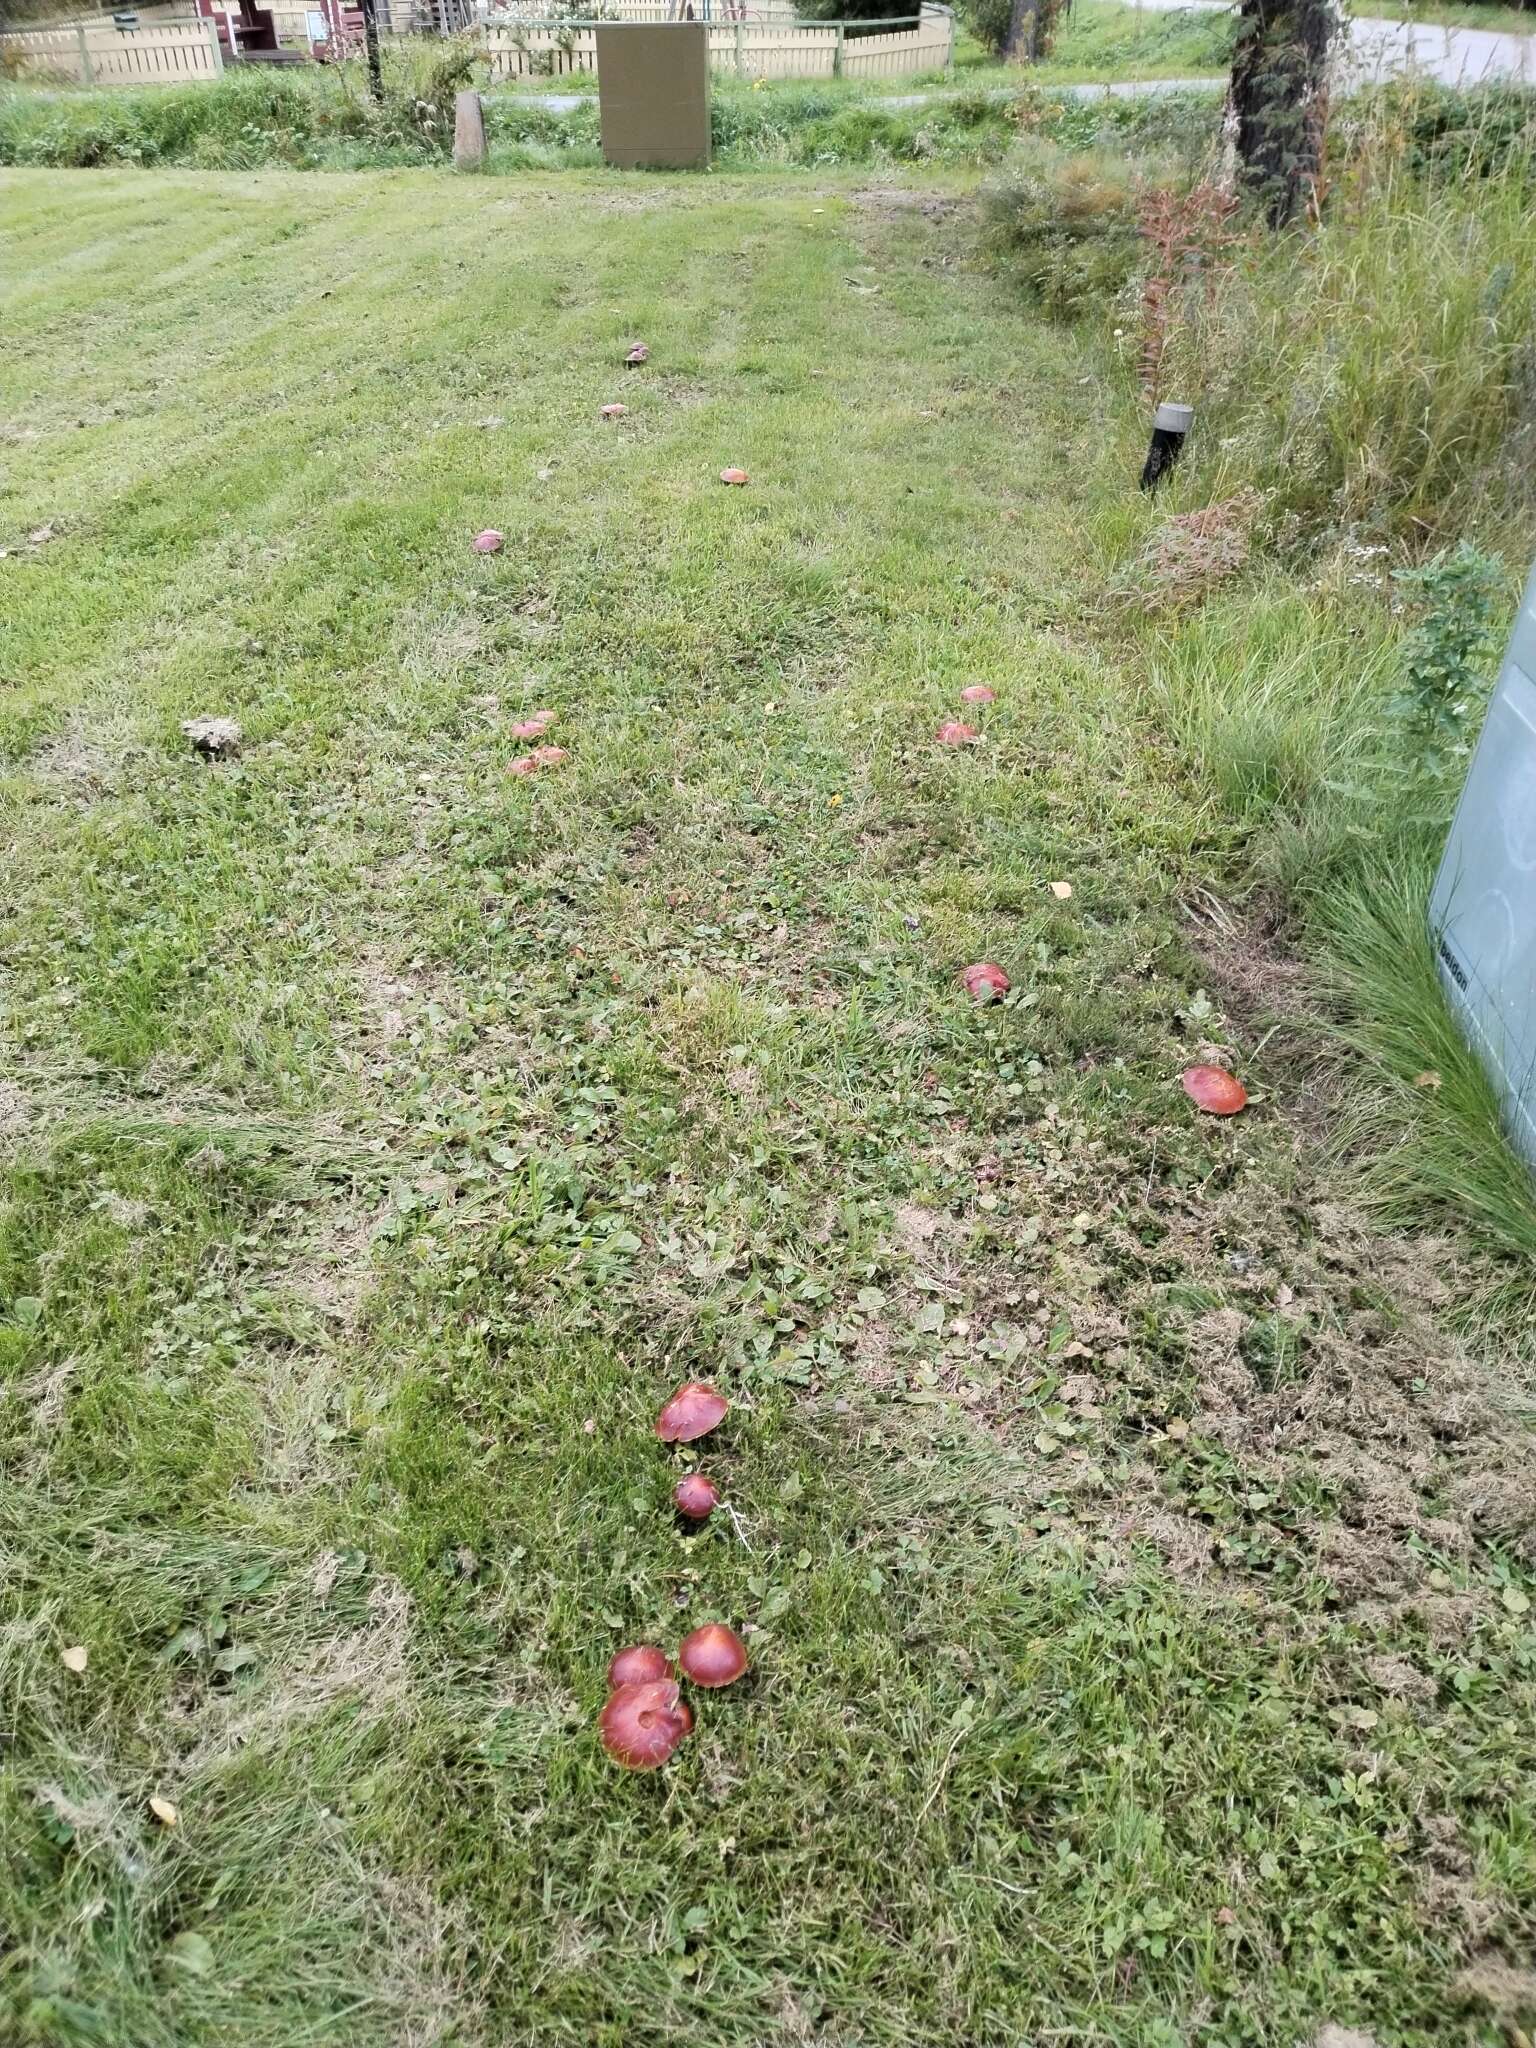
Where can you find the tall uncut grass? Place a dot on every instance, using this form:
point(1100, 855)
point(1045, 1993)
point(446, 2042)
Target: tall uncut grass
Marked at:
point(1379, 373)
point(1372, 376)
point(309, 118)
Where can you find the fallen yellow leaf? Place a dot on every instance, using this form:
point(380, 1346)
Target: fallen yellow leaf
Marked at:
point(164, 1811)
point(75, 1658)
point(1061, 891)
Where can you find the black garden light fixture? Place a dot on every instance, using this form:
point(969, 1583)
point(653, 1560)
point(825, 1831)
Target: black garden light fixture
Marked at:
point(1170, 424)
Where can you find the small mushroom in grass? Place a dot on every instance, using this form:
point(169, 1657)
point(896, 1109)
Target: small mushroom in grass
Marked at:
point(1214, 1090)
point(954, 732)
point(640, 1664)
point(533, 728)
point(490, 542)
point(642, 1724)
point(614, 411)
point(550, 757)
point(638, 354)
point(697, 1497)
point(693, 1411)
point(712, 1656)
point(978, 693)
point(733, 476)
point(985, 981)
point(525, 764)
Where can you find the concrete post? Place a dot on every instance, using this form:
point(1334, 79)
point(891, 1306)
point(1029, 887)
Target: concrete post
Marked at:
point(468, 132)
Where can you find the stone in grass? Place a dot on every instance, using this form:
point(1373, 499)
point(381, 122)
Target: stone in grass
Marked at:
point(216, 739)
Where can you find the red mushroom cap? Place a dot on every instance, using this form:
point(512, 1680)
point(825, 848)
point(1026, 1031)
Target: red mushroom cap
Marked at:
point(712, 1656)
point(642, 1724)
point(985, 980)
point(490, 542)
point(693, 1411)
point(1214, 1090)
point(696, 1496)
point(733, 476)
point(640, 1664)
point(954, 732)
point(978, 693)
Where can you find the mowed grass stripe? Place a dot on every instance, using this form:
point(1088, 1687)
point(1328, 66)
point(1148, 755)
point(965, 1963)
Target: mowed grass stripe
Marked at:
point(428, 1126)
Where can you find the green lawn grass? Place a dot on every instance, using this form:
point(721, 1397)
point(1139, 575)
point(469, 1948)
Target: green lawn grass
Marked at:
point(1100, 39)
point(1129, 1559)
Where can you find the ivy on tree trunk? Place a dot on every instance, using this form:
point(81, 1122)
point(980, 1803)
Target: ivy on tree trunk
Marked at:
point(1280, 100)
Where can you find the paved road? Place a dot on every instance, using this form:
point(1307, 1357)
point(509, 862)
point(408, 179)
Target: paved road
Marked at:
point(1378, 48)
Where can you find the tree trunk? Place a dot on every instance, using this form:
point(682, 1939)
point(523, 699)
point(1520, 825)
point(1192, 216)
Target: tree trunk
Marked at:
point(371, 44)
point(1279, 100)
point(1019, 46)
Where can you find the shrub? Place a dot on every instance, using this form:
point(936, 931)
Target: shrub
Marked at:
point(1175, 125)
point(869, 133)
point(1065, 224)
point(316, 118)
point(1448, 653)
point(988, 21)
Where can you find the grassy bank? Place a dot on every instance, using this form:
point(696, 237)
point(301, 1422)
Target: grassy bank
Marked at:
point(1098, 39)
point(321, 118)
point(1365, 405)
point(245, 123)
point(1136, 1567)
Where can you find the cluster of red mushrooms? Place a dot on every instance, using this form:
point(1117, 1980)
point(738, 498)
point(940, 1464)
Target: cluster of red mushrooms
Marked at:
point(646, 1716)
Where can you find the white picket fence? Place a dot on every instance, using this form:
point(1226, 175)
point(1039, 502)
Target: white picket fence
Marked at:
point(97, 53)
point(754, 43)
point(748, 47)
point(929, 46)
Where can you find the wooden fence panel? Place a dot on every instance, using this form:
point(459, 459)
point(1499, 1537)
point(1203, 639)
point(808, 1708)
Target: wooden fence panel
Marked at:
point(540, 52)
point(752, 46)
point(925, 48)
point(161, 53)
point(794, 52)
point(42, 50)
point(153, 56)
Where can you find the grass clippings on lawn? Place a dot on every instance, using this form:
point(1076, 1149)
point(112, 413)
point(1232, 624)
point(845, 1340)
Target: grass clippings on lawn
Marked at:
point(1134, 1568)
